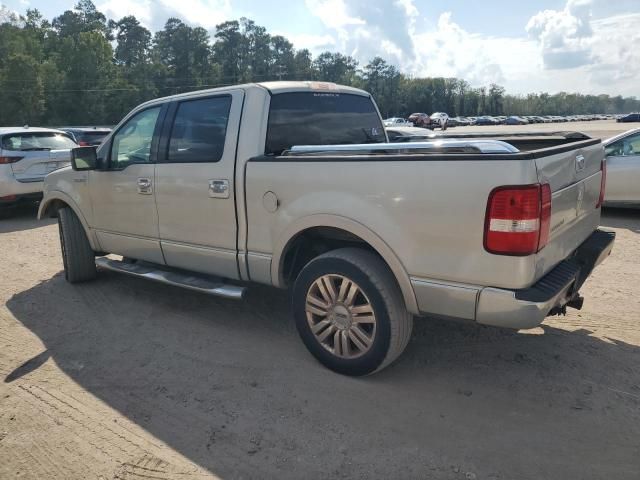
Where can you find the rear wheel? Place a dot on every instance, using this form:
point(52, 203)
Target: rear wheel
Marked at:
point(350, 313)
point(77, 255)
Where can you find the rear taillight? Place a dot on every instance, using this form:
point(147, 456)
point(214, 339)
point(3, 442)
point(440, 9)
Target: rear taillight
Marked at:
point(84, 144)
point(518, 219)
point(603, 183)
point(6, 160)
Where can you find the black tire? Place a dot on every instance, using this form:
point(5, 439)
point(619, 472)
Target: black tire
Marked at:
point(78, 257)
point(393, 322)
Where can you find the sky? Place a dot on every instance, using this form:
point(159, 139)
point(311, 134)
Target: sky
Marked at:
point(585, 46)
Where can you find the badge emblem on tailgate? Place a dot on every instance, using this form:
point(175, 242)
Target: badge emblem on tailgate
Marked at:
point(580, 162)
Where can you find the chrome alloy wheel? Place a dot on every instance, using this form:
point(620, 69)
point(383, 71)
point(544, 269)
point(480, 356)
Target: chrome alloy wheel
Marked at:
point(340, 316)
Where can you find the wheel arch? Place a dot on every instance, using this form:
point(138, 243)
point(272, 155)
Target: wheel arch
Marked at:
point(54, 201)
point(356, 232)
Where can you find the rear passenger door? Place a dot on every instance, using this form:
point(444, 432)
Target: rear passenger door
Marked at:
point(195, 193)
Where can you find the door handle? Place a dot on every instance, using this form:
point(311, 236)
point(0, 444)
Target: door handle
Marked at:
point(219, 188)
point(145, 186)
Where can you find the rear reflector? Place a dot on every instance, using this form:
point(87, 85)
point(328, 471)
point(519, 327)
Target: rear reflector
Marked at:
point(6, 160)
point(603, 183)
point(518, 219)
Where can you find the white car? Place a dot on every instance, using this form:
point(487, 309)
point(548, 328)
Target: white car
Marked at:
point(441, 119)
point(397, 122)
point(27, 155)
point(623, 169)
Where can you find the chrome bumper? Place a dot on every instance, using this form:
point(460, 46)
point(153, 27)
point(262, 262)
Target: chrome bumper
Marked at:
point(527, 308)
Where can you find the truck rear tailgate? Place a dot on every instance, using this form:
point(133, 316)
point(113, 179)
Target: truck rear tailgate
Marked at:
point(575, 179)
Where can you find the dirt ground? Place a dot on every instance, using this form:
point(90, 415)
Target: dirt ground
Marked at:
point(125, 379)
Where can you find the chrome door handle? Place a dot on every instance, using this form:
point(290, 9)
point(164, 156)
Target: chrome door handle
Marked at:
point(145, 186)
point(219, 188)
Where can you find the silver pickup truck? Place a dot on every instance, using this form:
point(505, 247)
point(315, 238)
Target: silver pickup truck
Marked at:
point(294, 184)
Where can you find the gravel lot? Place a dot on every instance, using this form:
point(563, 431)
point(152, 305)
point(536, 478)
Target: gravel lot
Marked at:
point(120, 378)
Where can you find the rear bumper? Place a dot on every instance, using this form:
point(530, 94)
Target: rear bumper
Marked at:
point(11, 200)
point(528, 307)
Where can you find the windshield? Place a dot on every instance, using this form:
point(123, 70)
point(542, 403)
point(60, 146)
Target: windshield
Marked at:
point(321, 118)
point(37, 141)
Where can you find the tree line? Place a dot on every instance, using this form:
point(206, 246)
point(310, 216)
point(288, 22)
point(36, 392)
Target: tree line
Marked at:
point(81, 68)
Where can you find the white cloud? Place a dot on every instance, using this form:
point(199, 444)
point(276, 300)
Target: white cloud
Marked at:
point(333, 13)
point(309, 41)
point(565, 36)
point(559, 50)
point(366, 28)
point(154, 13)
point(618, 53)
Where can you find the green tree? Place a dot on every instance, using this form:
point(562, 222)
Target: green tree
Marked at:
point(82, 19)
point(133, 42)
point(22, 103)
point(335, 67)
point(185, 53)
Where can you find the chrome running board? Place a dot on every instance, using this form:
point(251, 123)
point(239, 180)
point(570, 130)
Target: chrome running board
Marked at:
point(179, 278)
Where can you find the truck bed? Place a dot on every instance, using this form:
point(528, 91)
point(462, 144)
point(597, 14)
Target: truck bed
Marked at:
point(428, 200)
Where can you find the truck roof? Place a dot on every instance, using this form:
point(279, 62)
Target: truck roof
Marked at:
point(272, 87)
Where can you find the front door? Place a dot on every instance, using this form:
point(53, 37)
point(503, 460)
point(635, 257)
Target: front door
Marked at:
point(195, 191)
point(623, 170)
point(124, 211)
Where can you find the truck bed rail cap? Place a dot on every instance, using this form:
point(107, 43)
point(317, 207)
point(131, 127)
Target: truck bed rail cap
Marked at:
point(443, 145)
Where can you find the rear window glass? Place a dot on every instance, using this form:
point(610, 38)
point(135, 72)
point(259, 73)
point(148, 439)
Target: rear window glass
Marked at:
point(37, 141)
point(93, 134)
point(307, 118)
point(91, 137)
point(199, 130)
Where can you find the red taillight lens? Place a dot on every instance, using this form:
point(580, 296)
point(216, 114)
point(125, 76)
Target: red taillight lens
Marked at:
point(518, 219)
point(603, 183)
point(84, 144)
point(6, 160)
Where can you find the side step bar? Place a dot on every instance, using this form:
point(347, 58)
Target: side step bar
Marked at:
point(204, 284)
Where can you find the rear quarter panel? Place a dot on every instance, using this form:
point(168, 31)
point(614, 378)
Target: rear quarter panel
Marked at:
point(429, 212)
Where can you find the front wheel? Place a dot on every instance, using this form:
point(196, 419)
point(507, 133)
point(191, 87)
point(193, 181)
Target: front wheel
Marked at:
point(350, 313)
point(77, 256)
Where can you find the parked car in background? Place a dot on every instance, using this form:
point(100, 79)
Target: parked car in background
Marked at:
point(486, 120)
point(632, 117)
point(623, 169)
point(421, 120)
point(516, 121)
point(440, 119)
point(459, 122)
point(87, 136)
point(397, 121)
point(26, 155)
point(399, 133)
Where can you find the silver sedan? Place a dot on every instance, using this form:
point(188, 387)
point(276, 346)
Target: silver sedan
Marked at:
point(623, 170)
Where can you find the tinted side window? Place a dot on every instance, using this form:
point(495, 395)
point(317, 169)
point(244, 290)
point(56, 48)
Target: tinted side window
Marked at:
point(132, 143)
point(199, 130)
point(307, 118)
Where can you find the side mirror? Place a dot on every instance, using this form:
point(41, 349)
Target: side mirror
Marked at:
point(84, 158)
